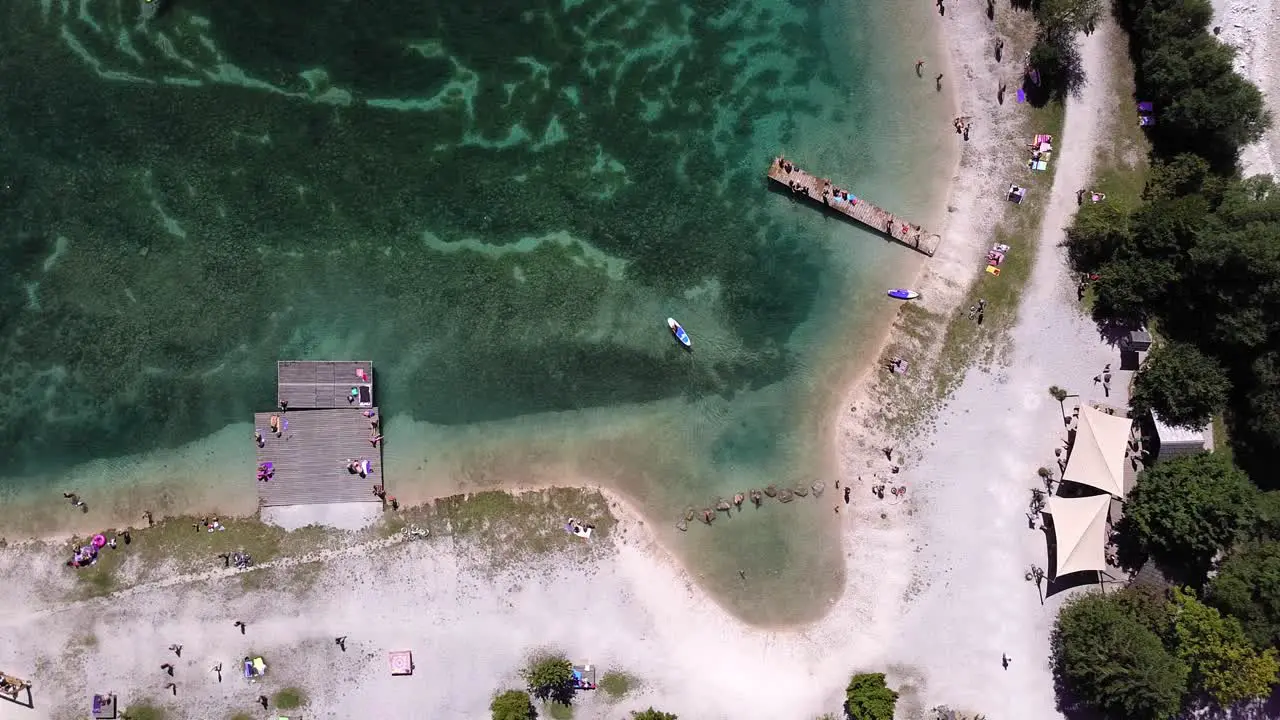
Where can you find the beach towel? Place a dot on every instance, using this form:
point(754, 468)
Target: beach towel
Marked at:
point(1146, 106)
point(1022, 95)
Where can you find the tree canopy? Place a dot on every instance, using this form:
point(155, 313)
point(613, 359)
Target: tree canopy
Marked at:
point(1182, 385)
point(1067, 16)
point(868, 698)
point(1222, 662)
point(1247, 587)
point(550, 677)
point(1109, 662)
point(1186, 510)
point(513, 705)
point(652, 714)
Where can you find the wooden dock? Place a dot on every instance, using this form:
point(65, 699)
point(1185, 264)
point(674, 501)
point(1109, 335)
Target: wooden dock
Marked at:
point(322, 428)
point(821, 190)
point(309, 384)
point(310, 458)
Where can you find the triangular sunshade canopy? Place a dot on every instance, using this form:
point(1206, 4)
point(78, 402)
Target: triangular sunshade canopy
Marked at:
point(1098, 453)
point(1080, 528)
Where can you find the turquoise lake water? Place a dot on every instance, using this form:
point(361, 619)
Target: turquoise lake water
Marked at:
point(499, 203)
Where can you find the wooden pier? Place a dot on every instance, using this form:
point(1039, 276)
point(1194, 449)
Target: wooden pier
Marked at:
point(821, 190)
point(322, 428)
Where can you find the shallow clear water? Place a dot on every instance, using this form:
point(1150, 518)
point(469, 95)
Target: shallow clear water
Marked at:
point(498, 202)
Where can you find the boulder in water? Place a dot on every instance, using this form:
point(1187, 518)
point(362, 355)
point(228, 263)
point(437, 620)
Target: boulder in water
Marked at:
point(682, 526)
point(755, 497)
point(771, 491)
point(817, 488)
point(722, 505)
point(785, 495)
point(689, 514)
point(802, 491)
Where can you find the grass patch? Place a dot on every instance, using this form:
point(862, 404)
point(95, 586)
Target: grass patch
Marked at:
point(559, 711)
point(289, 698)
point(181, 544)
point(617, 684)
point(1221, 440)
point(513, 526)
point(1123, 152)
point(146, 711)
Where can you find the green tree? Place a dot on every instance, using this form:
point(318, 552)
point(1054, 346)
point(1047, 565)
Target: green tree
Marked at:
point(1185, 174)
point(652, 714)
point(868, 698)
point(1098, 232)
point(513, 705)
point(550, 677)
point(1222, 662)
point(1186, 510)
point(1067, 16)
point(1182, 385)
point(1129, 288)
point(1112, 664)
point(1247, 588)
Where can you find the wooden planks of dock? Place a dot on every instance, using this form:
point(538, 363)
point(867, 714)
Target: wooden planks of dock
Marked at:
point(821, 190)
point(309, 458)
point(307, 384)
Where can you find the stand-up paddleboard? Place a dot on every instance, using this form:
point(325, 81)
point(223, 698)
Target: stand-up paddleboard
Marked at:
point(679, 332)
point(900, 294)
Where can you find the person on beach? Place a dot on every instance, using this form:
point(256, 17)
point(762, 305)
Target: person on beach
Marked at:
point(226, 559)
point(176, 649)
point(263, 700)
point(919, 68)
point(938, 82)
point(240, 624)
point(167, 667)
point(146, 515)
point(341, 642)
point(1004, 660)
point(172, 686)
point(218, 669)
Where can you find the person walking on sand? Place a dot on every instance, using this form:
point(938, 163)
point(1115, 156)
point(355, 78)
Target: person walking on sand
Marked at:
point(1004, 660)
point(938, 82)
point(167, 667)
point(218, 669)
point(341, 642)
point(240, 624)
point(146, 515)
point(172, 686)
point(176, 649)
point(919, 68)
point(263, 700)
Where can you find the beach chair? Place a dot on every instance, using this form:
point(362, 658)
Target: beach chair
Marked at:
point(1016, 194)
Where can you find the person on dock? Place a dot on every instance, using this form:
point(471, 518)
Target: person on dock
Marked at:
point(375, 438)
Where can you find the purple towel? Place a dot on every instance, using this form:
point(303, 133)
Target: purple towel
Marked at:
point(1022, 95)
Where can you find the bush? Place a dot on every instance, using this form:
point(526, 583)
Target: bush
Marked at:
point(1105, 660)
point(652, 714)
point(1187, 510)
point(868, 698)
point(289, 698)
point(616, 684)
point(1182, 385)
point(512, 705)
point(550, 677)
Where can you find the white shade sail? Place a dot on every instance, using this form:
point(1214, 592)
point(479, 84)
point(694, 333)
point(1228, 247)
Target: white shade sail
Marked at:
point(1080, 528)
point(1098, 453)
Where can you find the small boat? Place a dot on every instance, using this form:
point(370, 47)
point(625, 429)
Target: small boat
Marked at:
point(901, 294)
point(679, 332)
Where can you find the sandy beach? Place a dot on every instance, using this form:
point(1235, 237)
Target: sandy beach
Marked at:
point(934, 594)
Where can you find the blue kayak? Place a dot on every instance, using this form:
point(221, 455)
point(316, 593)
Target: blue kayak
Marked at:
point(679, 332)
point(900, 294)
